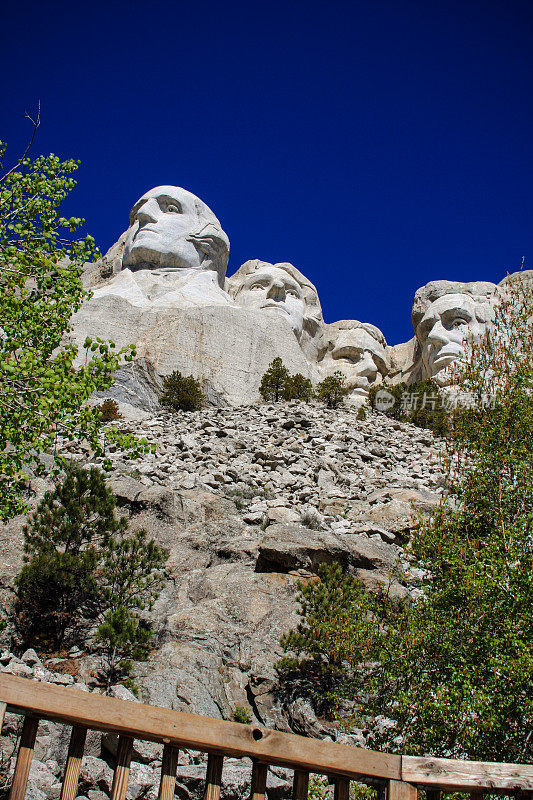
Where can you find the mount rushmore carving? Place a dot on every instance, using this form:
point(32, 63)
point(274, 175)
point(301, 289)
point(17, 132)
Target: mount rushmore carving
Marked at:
point(163, 287)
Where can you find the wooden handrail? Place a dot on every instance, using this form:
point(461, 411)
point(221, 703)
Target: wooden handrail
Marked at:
point(194, 732)
point(401, 774)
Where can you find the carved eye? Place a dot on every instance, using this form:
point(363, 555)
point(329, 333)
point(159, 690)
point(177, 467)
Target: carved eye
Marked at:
point(292, 292)
point(172, 208)
point(458, 322)
point(255, 286)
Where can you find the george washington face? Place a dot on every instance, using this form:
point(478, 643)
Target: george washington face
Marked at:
point(173, 229)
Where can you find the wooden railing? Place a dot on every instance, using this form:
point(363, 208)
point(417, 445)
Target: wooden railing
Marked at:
point(401, 776)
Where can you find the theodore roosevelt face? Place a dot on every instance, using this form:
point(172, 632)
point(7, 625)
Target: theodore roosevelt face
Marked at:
point(161, 222)
point(274, 291)
point(445, 327)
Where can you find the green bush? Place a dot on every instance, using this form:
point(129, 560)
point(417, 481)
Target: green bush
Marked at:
point(242, 715)
point(109, 410)
point(298, 388)
point(421, 403)
point(182, 392)
point(278, 384)
point(85, 574)
point(332, 390)
point(274, 381)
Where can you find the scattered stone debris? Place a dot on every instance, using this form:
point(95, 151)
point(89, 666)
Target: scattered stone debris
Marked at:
point(248, 501)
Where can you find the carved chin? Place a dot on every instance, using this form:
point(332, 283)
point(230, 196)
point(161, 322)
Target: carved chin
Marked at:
point(140, 257)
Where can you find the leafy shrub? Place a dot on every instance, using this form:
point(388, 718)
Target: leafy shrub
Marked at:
point(242, 715)
point(421, 403)
point(298, 388)
point(278, 384)
point(274, 381)
point(332, 390)
point(182, 393)
point(109, 410)
point(361, 414)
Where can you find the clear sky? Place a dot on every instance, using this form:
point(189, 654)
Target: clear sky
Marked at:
point(375, 144)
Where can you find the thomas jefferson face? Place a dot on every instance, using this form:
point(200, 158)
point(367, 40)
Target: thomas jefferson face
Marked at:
point(360, 357)
point(274, 291)
point(445, 327)
point(161, 223)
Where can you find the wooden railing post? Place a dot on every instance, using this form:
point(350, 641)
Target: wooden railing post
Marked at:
point(69, 790)
point(24, 757)
point(169, 766)
point(259, 780)
point(122, 769)
point(342, 789)
point(400, 790)
point(300, 785)
point(213, 779)
point(3, 707)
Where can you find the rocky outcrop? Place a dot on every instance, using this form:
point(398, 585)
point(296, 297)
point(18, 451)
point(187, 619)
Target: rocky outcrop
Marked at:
point(228, 349)
point(247, 501)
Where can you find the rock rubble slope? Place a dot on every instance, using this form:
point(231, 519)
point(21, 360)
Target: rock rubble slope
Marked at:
point(248, 501)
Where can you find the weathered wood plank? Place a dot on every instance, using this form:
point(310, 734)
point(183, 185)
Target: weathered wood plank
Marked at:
point(451, 775)
point(213, 778)
point(69, 790)
point(3, 707)
point(24, 757)
point(259, 779)
point(400, 790)
point(197, 733)
point(342, 789)
point(122, 769)
point(300, 784)
point(169, 766)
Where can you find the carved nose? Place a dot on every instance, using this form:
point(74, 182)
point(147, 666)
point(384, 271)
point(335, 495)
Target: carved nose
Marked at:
point(368, 367)
point(276, 291)
point(438, 334)
point(147, 212)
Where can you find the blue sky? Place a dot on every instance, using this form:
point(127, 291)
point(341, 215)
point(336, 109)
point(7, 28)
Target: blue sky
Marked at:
point(376, 145)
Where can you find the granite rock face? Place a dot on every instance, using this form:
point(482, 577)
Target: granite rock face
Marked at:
point(163, 287)
point(229, 350)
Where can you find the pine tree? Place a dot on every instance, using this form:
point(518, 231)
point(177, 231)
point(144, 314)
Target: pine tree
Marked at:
point(274, 381)
point(332, 390)
point(84, 571)
point(182, 392)
point(298, 388)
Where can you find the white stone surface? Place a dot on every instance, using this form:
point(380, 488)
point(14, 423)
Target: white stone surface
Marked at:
point(172, 228)
point(161, 288)
point(227, 347)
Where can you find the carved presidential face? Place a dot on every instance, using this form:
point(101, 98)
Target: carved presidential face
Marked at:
point(446, 326)
point(359, 356)
point(172, 228)
point(274, 291)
